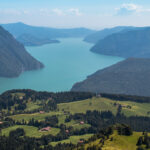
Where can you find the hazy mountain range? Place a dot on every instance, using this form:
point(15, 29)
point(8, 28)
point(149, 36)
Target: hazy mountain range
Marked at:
point(99, 35)
point(35, 36)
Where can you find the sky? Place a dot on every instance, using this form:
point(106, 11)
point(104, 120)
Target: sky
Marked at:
point(95, 14)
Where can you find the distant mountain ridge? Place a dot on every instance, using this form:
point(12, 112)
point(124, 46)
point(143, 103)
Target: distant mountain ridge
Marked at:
point(99, 35)
point(130, 77)
point(14, 59)
point(29, 40)
point(46, 34)
point(133, 43)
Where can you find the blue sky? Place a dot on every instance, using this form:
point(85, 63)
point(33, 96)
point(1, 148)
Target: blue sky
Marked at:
point(76, 13)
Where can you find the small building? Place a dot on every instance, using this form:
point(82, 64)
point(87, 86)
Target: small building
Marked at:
point(21, 97)
point(42, 112)
point(46, 129)
point(81, 122)
point(98, 95)
point(81, 142)
point(67, 131)
point(1, 122)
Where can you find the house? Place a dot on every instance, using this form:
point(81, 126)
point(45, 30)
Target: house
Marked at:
point(42, 112)
point(67, 131)
point(1, 122)
point(98, 95)
point(49, 98)
point(81, 142)
point(21, 97)
point(46, 129)
point(81, 122)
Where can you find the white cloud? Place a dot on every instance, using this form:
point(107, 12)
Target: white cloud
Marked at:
point(71, 11)
point(58, 12)
point(10, 12)
point(75, 11)
point(128, 9)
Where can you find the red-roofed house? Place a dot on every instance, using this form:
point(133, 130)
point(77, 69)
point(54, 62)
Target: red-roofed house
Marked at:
point(67, 131)
point(81, 122)
point(42, 112)
point(46, 129)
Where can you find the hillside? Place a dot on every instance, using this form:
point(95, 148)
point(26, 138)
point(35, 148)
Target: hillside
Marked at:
point(29, 40)
point(99, 35)
point(14, 59)
point(117, 142)
point(135, 43)
point(72, 120)
point(22, 31)
point(130, 77)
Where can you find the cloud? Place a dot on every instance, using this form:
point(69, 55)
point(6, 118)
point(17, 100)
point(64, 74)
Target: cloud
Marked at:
point(75, 11)
point(71, 11)
point(58, 12)
point(10, 12)
point(127, 9)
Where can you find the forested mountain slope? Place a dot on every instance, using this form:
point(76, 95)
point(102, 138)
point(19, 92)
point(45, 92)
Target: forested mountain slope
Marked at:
point(131, 76)
point(14, 59)
point(134, 43)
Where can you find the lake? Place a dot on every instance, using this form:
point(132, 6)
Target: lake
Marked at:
point(65, 64)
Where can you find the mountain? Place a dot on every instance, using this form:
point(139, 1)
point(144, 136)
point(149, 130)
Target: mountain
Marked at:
point(134, 43)
point(20, 29)
point(29, 40)
point(131, 77)
point(14, 59)
point(99, 35)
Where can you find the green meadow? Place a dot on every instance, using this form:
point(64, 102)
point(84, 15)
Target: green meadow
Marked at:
point(73, 139)
point(30, 131)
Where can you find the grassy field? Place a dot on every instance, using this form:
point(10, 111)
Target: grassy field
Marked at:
point(119, 142)
point(41, 117)
point(100, 104)
point(122, 142)
point(73, 139)
point(30, 131)
point(103, 104)
point(32, 106)
point(36, 116)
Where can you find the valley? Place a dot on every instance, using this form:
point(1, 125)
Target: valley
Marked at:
point(65, 64)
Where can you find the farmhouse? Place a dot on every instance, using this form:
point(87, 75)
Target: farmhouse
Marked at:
point(81, 122)
point(21, 97)
point(81, 141)
point(67, 131)
point(42, 112)
point(46, 129)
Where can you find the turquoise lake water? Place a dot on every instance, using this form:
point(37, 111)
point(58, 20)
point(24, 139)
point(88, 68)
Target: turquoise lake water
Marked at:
point(65, 64)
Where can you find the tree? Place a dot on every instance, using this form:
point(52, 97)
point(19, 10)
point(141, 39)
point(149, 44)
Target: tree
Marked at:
point(140, 141)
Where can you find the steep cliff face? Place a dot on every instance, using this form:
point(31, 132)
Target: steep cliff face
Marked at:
point(14, 59)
